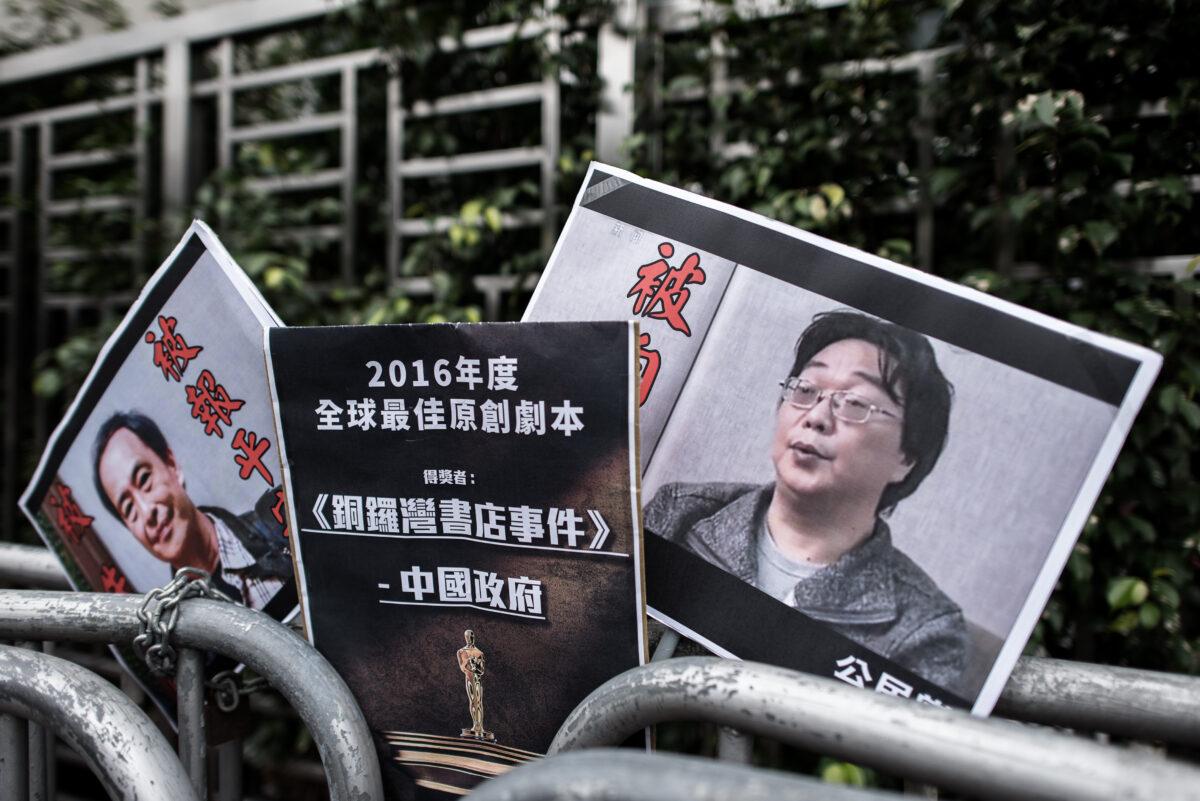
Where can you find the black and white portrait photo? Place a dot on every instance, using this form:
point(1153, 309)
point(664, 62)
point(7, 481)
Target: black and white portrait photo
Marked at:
point(850, 467)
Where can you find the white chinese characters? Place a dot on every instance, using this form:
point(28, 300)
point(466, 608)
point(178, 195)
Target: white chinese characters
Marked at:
point(491, 416)
point(856, 671)
point(520, 525)
point(521, 596)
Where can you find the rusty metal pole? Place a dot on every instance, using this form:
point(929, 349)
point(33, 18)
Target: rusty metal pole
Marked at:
point(117, 740)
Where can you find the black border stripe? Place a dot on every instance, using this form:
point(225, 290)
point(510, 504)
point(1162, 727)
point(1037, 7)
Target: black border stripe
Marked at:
point(719, 606)
point(147, 310)
point(958, 321)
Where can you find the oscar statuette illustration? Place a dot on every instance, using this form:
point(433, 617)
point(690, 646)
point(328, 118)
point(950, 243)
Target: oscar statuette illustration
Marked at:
point(471, 663)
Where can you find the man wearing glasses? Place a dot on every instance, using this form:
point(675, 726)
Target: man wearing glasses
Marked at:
point(861, 421)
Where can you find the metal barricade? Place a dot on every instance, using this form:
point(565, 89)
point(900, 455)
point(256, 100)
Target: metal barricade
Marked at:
point(983, 758)
point(1142, 704)
point(31, 567)
point(604, 774)
point(117, 740)
point(272, 650)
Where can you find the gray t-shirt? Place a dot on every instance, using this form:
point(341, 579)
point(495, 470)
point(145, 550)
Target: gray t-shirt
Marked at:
point(777, 574)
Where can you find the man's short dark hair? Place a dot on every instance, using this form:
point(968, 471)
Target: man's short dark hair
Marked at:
point(911, 378)
point(143, 428)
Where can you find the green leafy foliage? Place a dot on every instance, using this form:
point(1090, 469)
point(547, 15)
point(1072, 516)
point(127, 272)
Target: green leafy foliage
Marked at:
point(836, 772)
point(36, 23)
point(1062, 145)
point(1061, 141)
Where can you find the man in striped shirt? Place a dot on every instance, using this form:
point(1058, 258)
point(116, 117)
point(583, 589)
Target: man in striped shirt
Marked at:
point(141, 483)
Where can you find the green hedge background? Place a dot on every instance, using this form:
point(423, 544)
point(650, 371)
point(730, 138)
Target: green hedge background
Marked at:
point(1062, 145)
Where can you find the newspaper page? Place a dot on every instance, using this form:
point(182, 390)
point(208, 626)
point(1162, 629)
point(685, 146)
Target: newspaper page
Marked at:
point(884, 470)
point(166, 457)
point(466, 529)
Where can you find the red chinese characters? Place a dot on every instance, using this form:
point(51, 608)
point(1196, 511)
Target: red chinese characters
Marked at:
point(252, 448)
point(650, 361)
point(112, 579)
point(171, 351)
point(661, 291)
point(277, 511)
point(211, 404)
point(68, 517)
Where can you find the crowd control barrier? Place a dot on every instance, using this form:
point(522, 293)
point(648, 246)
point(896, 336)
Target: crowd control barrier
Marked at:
point(984, 758)
point(117, 740)
point(606, 774)
point(949, 748)
point(270, 649)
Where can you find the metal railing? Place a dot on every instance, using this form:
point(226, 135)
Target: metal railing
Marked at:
point(604, 774)
point(117, 740)
point(986, 758)
point(1141, 704)
point(305, 679)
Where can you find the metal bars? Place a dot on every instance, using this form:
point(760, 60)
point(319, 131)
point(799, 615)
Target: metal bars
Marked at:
point(545, 156)
point(11, 287)
point(120, 744)
point(1077, 695)
point(60, 314)
point(189, 684)
point(167, 50)
point(606, 774)
point(1090, 697)
point(344, 122)
point(1134, 703)
point(272, 650)
point(949, 748)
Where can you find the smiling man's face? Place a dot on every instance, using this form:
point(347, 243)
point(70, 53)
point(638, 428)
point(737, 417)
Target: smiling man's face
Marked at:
point(822, 459)
point(147, 492)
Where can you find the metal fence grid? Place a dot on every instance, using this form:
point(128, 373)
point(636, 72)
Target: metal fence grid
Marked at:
point(159, 107)
point(186, 103)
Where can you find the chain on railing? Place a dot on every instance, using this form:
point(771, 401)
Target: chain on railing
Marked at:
point(189, 624)
point(230, 687)
point(159, 613)
point(987, 758)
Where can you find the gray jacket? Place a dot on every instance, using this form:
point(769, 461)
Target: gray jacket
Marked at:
point(874, 594)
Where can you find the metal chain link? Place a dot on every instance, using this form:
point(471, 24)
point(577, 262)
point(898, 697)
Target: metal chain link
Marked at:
point(229, 691)
point(159, 613)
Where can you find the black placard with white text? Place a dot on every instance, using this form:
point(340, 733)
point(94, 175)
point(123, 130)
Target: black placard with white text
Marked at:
point(464, 478)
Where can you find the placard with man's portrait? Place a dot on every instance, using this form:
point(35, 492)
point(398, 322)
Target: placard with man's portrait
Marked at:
point(166, 458)
point(850, 467)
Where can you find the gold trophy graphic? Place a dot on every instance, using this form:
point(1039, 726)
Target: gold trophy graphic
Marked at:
point(454, 764)
point(471, 663)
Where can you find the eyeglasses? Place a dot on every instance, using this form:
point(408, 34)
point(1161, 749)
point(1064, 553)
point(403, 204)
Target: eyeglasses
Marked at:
point(847, 406)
